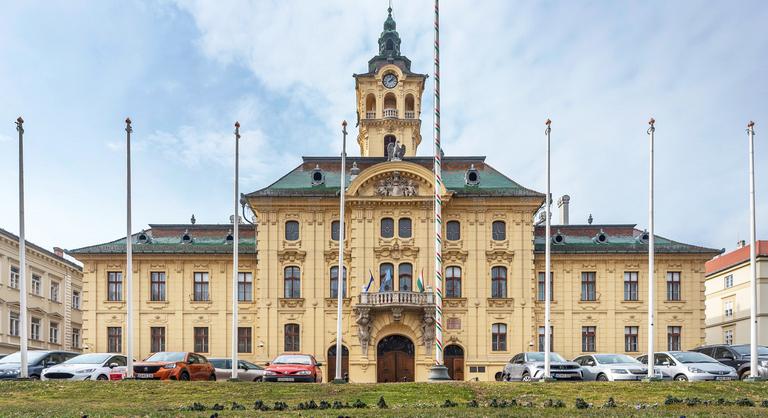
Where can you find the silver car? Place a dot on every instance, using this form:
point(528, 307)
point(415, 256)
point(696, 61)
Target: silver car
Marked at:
point(246, 372)
point(690, 366)
point(530, 366)
point(612, 367)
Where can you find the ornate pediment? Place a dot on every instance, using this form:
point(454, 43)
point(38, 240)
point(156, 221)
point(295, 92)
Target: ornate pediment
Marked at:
point(291, 256)
point(396, 184)
point(333, 255)
point(396, 251)
point(499, 256)
point(455, 256)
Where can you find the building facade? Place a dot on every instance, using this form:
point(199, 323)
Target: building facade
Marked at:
point(492, 254)
point(728, 296)
point(54, 300)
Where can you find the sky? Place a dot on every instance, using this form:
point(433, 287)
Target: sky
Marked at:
point(186, 70)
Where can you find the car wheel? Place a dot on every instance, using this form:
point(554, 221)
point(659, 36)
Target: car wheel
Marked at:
point(212, 377)
point(526, 377)
point(602, 378)
point(258, 380)
point(102, 377)
point(744, 374)
point(184, 376)
point(499, 377)
point(681, 378)
point(34, 377)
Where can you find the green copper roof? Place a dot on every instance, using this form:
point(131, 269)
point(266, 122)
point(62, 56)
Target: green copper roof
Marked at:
point(169, 239)
point(298, 182)
point(584, 239)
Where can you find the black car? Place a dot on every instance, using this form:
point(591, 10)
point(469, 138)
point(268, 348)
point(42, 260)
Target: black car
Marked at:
point(37, 360)
point(737, 356)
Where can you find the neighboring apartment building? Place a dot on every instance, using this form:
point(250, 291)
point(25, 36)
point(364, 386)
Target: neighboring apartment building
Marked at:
point(728, 296)
point(54, 301)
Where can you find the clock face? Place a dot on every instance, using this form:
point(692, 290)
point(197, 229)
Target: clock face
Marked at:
point(389, 81)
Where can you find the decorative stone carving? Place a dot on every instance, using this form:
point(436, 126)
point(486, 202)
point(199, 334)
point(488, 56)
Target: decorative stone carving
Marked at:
point(428, 329)
point(395, 185)
point(455, 256)
point(291, 256)
point(499, 256)
point(395, 251)
point(397, 314)
point(396, 151)
point(364, 329)
point(291, 302)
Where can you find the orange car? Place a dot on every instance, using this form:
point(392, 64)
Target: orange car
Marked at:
point(169, 365)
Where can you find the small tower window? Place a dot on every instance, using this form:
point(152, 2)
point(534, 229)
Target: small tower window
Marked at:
point(390, 45)
point(390, 106)
point(370, 106)
point(410, 112)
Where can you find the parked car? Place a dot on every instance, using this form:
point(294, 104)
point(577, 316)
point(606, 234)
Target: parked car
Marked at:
point(246, 371)
point(171, 365)
point(530, 366)
point(294, 368)
point(37, 360)
point(612, 367)
point(690, 366)
point(738, 357)
point(91, 366)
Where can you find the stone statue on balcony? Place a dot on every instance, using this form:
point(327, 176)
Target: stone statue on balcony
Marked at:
point(428, 330)
point(364, 330)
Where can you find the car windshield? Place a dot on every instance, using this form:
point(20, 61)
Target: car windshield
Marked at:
point(692, 357)
point(219, 363)
point(32, 357)
point(744, 350)
point(250, 365)
point(89, 359)
point(540, 357)
point(293, 359)
point(614, 359)
point(167, 356)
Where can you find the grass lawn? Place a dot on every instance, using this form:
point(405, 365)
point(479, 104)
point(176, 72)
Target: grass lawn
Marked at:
point(95, 399)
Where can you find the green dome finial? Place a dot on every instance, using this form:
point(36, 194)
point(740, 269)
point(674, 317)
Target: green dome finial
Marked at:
point(389, 24)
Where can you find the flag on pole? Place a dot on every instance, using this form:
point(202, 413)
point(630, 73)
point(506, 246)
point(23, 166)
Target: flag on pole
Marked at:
point(370, 282)
point(386, 284)
point(420, 282)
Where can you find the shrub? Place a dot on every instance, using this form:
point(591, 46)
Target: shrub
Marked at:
point(217, 407)
point(339, 405)
point(764, 403)
point(582, 404)
point(324, 405)
point(692, 401)
point(448, 404)
point(359, 404)
point(237, 407)
point(671, 400)
point(557, 403)
point(610, 403)
point(382, 404)
point(744, 402)
point(722, 401)
point(473, 404)
point(280, 406)
point(494, 403)
point(260, 406)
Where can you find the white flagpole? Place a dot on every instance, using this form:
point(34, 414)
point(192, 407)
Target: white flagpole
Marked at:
point(651, 251)
point(340, 285)
point(753, 370)
point(548, 261)
point(23, 331)
point(438, 201)
point(235, 249)
point(129, 256)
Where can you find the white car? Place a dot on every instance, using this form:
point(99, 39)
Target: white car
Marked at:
point(690, 366)
point(612, 367)
point(91, 366)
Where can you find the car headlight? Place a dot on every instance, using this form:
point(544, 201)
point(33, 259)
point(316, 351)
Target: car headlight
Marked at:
point(695, 370)
point(170, 366)
point(269, 373)
point(303, 372)
point(619, 371)
point(83, 371)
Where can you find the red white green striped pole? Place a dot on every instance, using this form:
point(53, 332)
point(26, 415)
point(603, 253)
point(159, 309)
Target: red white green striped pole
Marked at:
point(438, 201)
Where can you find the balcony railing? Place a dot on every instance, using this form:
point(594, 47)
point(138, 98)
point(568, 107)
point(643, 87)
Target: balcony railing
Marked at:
point(410, 114)
point(391, 299)
point(370, 115)
point(390, 113)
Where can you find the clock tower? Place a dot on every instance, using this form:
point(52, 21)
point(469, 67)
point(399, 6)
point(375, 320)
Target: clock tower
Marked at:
point(389, 99)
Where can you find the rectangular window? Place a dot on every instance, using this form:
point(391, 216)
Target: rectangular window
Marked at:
point(75, 299)
point(115, 339)
point(404, 228)
point(673, 285)
point(728, 309)
point(729, 281)
point(334, 284)
point(114, 286)
point(631, 286)
point(201, 339)
point(75, 337)
point(541, 287)
point(292, 337)
point(499, 337)
point(674, 338)
point(499, 282)
point(630, 339)
point(201, 287)
point(244, 340)
point(34, 333)
point(477, 369)
point(588, 339)
point(55, 291)
point(453, 282)
point(728, 336)
point(588, 286)
point(453, 231)
point(292, 282)
point(245, 287)
point(335, 230)
point(37, 284)
point(13, 328)
point(13, 283)
point(157, 286)
point(551, 338)
point(157, 339)
point(53, 333)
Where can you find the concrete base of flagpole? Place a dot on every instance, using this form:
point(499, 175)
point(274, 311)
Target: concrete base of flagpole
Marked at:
point(438, 373)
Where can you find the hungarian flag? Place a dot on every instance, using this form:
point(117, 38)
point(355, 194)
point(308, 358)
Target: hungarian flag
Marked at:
point(420, 281)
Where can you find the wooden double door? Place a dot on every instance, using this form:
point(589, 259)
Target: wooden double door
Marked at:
point(395, 359)
point(331, 366)
point(454, 360)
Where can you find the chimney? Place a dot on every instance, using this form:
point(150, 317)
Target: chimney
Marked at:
point(58, 251)
point(741, 244)
point(562, 203)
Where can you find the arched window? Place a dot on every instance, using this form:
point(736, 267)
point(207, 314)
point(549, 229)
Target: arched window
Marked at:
point(292, 230)
point(410, 112)
point(388, 139)
point(387, 228)
point(386, 277)
point(390, 106)
point(292, 281)
point(370, 106)
point(390, 45)
point(335, 282)
point(453, 282)
point(292, 338)
point(406, 277)
point(499, 337)
point(404, 229)
point(499, 282)
point(335, 230)
point(453, 231)
point(499, 230)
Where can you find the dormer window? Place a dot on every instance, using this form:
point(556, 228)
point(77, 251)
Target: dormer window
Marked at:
point(143, 238)
point(230, 238)
point(558, 238)
point(601, 238)
point(186, 238)
point(643, 237)
point(318, 177)
point(472, 176)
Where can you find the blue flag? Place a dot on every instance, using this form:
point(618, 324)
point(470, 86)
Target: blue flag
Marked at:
point(386, 284)
point(370, 282)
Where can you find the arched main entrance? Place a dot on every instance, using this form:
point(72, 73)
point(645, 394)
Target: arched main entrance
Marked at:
point(395, 359)
point(332, 363)
point(454, 361)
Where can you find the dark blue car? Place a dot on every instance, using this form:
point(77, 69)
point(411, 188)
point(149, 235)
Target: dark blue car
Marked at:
point(10, 365)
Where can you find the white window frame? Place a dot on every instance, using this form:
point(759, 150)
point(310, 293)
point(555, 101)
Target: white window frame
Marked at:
point(729, 281)
point(13, 278)
point(14, 324)
point(34, 329)
point(53, 333)
point(728, 336)
point(728, 311)
point(55, 295)
point(76, 341)
point(76, 301)
point(36, 285)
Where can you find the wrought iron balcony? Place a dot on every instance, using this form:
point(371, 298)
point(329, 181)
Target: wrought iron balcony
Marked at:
point(390, 113)
point(396, 299)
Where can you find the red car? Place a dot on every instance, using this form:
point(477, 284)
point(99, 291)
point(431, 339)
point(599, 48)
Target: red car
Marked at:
point(294, 368)
point(169, 365)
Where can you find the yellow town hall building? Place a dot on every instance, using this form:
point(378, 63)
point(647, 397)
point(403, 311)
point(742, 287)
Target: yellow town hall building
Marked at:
point(492, 255)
